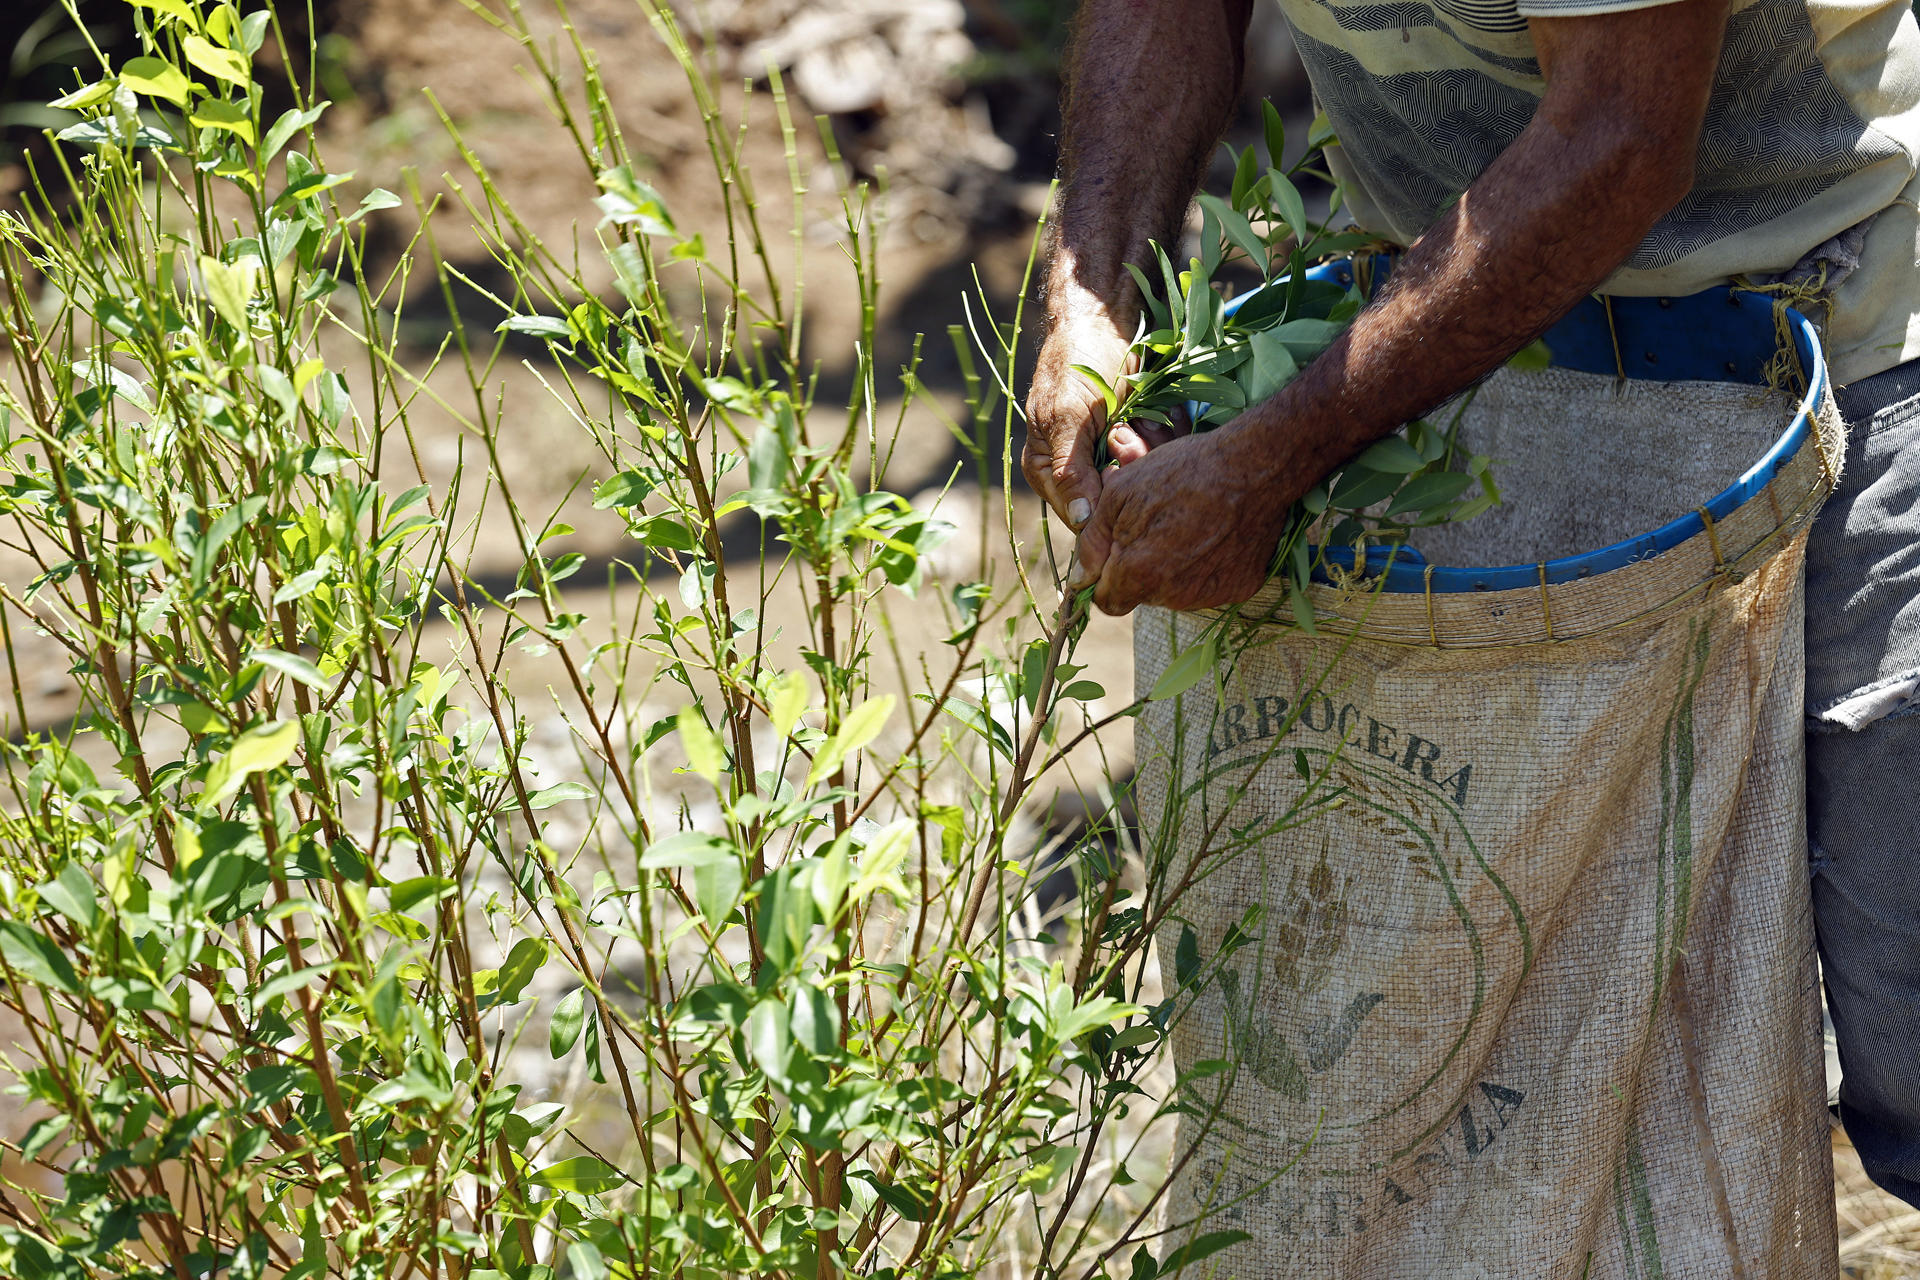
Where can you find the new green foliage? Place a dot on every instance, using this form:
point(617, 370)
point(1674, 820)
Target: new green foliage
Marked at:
point(1201, 364)
point(292, 894)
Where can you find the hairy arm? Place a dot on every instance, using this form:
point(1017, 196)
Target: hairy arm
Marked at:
point(1150, 86)
point(1609, 150)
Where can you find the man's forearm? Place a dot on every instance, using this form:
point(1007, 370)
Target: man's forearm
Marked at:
point(1545, 224)
point(1150, 87)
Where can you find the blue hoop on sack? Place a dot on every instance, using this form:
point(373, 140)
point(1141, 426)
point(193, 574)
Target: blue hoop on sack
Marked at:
point(1719, 335)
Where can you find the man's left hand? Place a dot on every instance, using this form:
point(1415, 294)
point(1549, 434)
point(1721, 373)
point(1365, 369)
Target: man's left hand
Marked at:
point(1193, 524)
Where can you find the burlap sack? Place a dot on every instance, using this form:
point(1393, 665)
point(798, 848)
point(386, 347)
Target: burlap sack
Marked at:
point(1499, 913)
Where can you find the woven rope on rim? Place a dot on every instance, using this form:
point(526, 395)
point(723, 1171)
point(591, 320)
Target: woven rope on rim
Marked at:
point(1433, 632)
point(1546, 600)
point(1713, 539)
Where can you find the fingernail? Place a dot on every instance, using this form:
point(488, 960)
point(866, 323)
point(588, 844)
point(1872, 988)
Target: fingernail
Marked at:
point(1079, 511)
point(1077, 576)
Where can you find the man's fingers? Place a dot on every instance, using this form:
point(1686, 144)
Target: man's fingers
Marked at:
point(1076, 483)
point(1058, 461)
point(1132, 441)
point(1095, 545)
point(1119, 590)
point(1127, 444)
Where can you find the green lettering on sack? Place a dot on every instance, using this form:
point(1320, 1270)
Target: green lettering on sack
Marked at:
point(1266, 716)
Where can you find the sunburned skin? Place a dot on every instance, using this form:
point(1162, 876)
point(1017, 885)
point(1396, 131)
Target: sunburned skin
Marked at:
point(1192, 523)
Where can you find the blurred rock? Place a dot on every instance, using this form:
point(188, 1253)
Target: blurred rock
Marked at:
point(892, 76)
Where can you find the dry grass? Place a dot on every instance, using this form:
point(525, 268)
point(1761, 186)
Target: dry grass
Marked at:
point(1879, 1235)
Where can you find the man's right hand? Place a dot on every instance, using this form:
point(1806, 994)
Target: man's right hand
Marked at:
point(1066, 413)
point(1133, 145)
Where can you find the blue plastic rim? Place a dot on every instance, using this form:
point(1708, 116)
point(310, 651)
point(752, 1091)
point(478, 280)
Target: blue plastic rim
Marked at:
point(1719, 335)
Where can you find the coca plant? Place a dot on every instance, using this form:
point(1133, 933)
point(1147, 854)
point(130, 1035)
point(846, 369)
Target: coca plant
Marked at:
point(307, 970)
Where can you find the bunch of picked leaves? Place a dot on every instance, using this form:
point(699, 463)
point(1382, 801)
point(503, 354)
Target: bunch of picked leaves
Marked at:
point(1204, 359)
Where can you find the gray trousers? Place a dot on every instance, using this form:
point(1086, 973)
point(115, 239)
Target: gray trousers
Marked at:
point(1863, 770)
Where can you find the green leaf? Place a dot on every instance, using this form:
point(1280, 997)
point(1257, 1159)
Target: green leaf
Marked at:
point(768, 1040)
point(1201, 1248)
point(705, 755)
point(1188, 669)
point(587, 1175)
point(1292, 208)
point(1432, 490)
point(1391, 454)
point(35, 958)
point(408, 894)
point(156, 78)
point(1095, 1013)
point(1320, 133)
point(255, 751)
point(253, 30)
point(1302, 606)
point(1048, 1165)
point(229, 117)
point(172, 8)
point(788, 695)
point(519, 968)
point(832, 876)
point(1034, 665)
point(538, 326)
point(585, 1262)
point(627, 489)
point(1307, 337)
point(84, 96)
point(906, 1199)
point(1238, 230)
point(229, 288)
point(1246, 172)
point(1149, 297)
point(785, 914)
point(1176, 300)
point(687, 849)
point(101, 133)
point(1479, 504)
point(373, 202)
point(716, 887)
point(813, 1020)
point(1361, 486)
point(292, 666)
point(41, 1135)
point(1186, 956)
point(560, 793)
point(304, 182)
point(1107, 393)
point(1199, 304)
point(289, 123)
point(1271, 368)
point(564, 1027)
point(221, 64)
point(71, 893)
point(881, 859)
point(1211, 254)
point(862, 725)
point(768, 459)
point(629, 202)
point(1275, 130)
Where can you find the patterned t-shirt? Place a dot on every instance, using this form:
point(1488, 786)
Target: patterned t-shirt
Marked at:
point(1813, 130)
